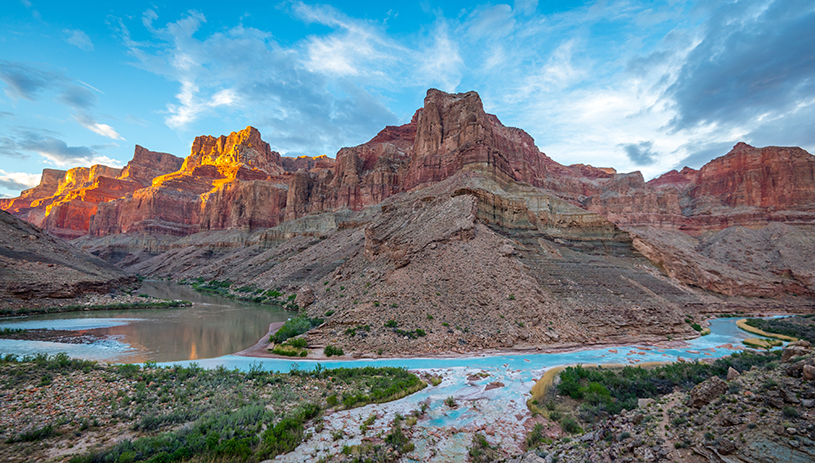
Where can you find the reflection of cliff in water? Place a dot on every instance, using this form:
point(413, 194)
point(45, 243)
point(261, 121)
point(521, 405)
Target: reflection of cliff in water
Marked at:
point(212, 327)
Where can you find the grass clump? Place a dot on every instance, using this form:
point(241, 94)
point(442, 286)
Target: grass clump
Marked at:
point(481, 451)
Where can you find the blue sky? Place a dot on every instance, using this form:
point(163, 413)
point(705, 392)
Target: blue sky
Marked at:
point(646, 86)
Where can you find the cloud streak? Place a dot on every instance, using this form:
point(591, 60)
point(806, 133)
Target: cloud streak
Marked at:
point(78, 39)
point(30, 83)
point(55, 150)
point(18, 180)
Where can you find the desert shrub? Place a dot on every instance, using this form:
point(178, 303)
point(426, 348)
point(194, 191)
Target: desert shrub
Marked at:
point(300, 343)
point(785, 326)
point(331, 351)
point(569, 424)
point(295, 327)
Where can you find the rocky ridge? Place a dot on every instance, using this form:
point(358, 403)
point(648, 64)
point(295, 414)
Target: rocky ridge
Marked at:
point(37, 265)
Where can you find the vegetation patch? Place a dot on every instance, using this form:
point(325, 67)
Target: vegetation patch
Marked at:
point(157, 304)
point(332, 351)
point(787, 329)
point(607, 391)
point(181, 414)
point(295, 327)
point(251, 293)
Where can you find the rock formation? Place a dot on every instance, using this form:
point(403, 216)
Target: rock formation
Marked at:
point(34, 264)
point(748, 186)
point(65, 201)
point(689, 223)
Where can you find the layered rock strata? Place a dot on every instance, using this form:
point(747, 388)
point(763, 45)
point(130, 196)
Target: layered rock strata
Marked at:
point(237, 182)
point(34, 264)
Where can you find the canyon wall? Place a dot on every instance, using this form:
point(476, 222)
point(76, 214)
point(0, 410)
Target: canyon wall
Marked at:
point(237, 181)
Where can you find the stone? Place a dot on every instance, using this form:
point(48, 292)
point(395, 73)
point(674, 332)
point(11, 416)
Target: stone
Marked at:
point(643, 403)
point(305, 296)
point(788, 396)
point(706, 391)
point(726, 447)
point(808, 372)
point(800, 343)
point(791, 352)
point(732, 374)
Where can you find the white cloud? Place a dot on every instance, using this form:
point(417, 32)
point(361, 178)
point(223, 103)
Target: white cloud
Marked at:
point(526, 7)
point(243, 73)
point(18, 180)
point(585, 82)
point(79, 39)
point(85, 120)
point(104, 130)
point(442, 66)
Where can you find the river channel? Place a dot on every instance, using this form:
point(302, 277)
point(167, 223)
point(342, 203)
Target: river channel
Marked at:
point(214, 326)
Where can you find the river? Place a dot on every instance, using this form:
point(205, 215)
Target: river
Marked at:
point(214, 326)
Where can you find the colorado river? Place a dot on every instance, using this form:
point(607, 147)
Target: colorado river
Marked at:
point(212, 327)
point(215, 327)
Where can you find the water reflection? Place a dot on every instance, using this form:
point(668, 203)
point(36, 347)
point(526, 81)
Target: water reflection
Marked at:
point(212, 327)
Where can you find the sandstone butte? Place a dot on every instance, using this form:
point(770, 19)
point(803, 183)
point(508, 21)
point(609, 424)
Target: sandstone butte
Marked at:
point(455, 212)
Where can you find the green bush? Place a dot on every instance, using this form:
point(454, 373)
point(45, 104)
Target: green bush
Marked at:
point(300, 343)
point(569, 424)
point(606, 390)
point(295, 327)
point(785, 326)
point(791, 412)
point(390, 324)
point(331, 351)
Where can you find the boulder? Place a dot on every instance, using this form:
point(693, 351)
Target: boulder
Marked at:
point(808, 372)
point(705, 392)
point(732, 374)
point(792, 352)
point(305, 297)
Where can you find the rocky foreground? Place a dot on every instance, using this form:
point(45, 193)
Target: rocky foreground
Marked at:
point(764, 414)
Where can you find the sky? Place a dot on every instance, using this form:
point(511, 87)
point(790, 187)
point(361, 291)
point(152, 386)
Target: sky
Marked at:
point(648, 86)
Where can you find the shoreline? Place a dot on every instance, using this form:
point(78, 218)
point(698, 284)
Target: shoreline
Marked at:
point(259, 350)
